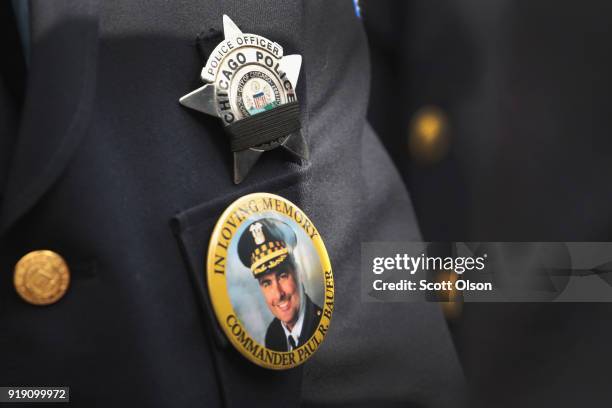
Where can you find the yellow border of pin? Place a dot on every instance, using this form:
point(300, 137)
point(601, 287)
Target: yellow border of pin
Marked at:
point(219, 296)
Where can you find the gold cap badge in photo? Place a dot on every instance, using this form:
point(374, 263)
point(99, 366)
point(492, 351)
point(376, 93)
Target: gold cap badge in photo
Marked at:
point(267, 245)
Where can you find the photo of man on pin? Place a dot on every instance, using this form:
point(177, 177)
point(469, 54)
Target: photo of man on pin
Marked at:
point(266, 248)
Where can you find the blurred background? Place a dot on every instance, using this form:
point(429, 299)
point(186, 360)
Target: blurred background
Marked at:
point(497, 115)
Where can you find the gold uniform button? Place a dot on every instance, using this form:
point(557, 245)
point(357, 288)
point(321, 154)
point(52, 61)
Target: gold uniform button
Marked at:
point(41, 277)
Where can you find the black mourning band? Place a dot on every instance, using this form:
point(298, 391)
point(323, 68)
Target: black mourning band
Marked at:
point(264, 127)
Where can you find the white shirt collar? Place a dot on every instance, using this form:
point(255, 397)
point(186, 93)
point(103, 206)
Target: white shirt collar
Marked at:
point(297, 328)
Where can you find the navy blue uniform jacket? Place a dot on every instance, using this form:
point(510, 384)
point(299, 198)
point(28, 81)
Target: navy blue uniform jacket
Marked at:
point(107, 169)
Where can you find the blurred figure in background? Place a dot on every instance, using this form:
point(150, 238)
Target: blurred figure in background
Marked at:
point(497, 115)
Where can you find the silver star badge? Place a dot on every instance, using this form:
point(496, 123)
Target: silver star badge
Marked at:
point(250, 86)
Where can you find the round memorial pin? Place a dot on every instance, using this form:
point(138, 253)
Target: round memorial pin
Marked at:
point(270, 281)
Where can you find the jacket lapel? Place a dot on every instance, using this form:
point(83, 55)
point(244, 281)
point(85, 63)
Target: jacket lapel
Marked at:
point(59, 100)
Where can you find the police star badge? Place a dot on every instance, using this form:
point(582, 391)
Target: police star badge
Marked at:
point(251, 85)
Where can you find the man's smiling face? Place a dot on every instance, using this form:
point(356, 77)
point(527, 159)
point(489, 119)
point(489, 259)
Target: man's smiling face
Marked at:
point(281, 293)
